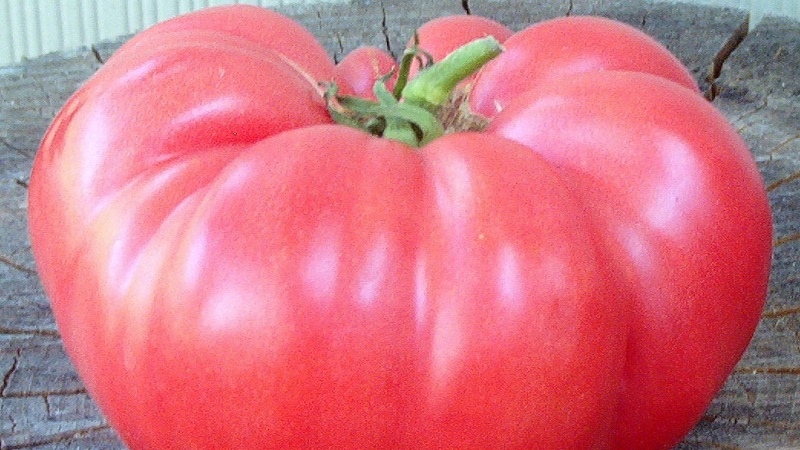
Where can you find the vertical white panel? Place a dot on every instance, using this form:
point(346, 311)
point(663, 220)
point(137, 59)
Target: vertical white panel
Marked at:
point(199, 4)
point(185, 6)
point(759, 8)
point(757, 12)
point(6, 35)
point(88, 21)
point(29, 28)
point(71, 24)
point(166, 9)
point(134, 16)
point(52, 34)
point(17, 27)
point(149, 13)
point(791, 8)
point(112, 18)
point(33, 32)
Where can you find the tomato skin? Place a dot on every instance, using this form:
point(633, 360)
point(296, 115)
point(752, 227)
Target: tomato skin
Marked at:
point(263, 28)
point(232, 270)
point(670, 232)
point(440, 36)
point(117, 145)
point(183, 307)
point(565, 46)
point(357, 72)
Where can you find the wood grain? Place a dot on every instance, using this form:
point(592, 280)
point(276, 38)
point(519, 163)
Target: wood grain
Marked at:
point(43, 404)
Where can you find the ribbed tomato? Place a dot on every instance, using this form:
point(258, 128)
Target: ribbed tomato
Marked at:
point(581, 267)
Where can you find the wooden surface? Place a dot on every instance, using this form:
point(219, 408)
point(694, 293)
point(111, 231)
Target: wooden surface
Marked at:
point(42, 402)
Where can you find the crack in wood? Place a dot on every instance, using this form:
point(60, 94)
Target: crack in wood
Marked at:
point(338, 55)
point(5, 331)
point(783, 144)
point(21, 182)
point(385, 31)
point(776, 184)
point(465, 7)
point(57, 438)
point(782, 425)
point(786, 239)
point(14, 148)
point(10, 373)
point(733, 42)
point(14, 265)
point(780, 313)
point(48, 408)
point(569, 8)
point(768, 370)
point(65, 393)
point(96, 54)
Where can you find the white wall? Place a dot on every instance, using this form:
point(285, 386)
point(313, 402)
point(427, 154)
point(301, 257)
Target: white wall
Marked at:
point(759, 8)
point(29, 28)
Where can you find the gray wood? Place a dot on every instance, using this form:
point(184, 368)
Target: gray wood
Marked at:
point(42, 402)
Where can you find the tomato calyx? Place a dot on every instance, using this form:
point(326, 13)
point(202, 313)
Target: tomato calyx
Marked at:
point(421, 109)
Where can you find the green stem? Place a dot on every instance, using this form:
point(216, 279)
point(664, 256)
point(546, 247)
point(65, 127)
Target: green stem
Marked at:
point(409, 113)
point(402, 72)
point(423, 58)
point(433, 86)
point(400, 130)
point(396, 129)
point(428, 125)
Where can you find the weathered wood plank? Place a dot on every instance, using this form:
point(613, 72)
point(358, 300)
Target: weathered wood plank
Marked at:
point(42, 402)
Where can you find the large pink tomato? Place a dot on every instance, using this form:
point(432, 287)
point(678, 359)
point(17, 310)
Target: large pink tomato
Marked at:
point(578, 265)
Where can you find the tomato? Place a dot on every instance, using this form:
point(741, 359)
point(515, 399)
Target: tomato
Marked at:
point(357, 72)
point(231, 268)
point(558, 48)
point(360, 69)
point(441, 36)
